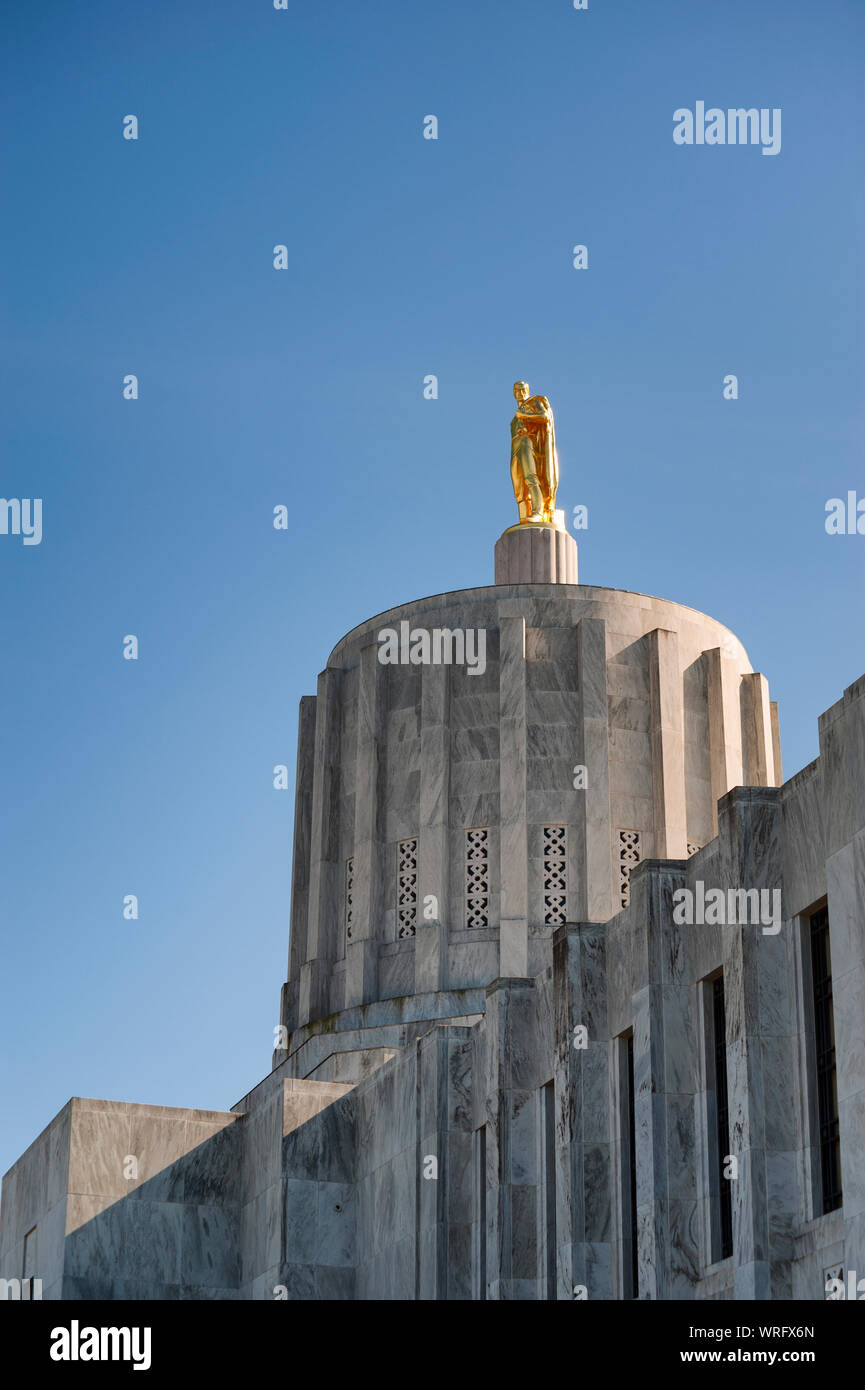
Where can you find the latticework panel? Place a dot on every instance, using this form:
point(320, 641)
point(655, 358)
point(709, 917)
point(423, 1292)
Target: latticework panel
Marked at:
point(555, 848)
point(477, 878)
point(406, 888)
point(629, 855)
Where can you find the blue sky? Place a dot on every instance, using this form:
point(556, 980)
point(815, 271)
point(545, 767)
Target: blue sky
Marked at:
point(304, 387)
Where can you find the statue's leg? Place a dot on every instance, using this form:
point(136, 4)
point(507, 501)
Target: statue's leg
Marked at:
point(517, 479)
point(523, 462)
point(534, 491)
point(519, 482)
point(536, 496)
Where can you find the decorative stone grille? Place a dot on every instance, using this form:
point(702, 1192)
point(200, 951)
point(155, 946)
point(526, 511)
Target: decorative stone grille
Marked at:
point(477, 878)
point(555, 843)
point(406, 888)
point(629, 855)
point(349, 898)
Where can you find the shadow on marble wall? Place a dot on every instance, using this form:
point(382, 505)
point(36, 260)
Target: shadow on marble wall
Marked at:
point(175, 1236)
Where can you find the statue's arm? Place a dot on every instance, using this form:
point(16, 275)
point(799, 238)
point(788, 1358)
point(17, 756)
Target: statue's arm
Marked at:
point(537, 405)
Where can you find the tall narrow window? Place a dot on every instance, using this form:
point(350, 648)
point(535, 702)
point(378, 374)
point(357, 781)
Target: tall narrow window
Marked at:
point(722, 1119)
point(406, 888)
point(29, 1270)
point(824, 1046)
point(628, 1147)
point(555, 843)
point(481, 1208)
point(477, 878)
point(547, 1195)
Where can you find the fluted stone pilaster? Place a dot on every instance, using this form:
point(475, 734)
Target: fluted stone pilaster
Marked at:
point(435, 736)
point(595, 902)
point(361, 953)
point(725, 726)
point(757, 742)
point(300, 865)
point(512, 782)
point(668, 746)
point(324, 889)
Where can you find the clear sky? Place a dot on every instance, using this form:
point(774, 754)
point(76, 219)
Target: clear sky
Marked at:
point(304, 387)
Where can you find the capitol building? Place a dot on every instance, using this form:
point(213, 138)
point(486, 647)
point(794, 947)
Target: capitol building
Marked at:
point(507, 1066)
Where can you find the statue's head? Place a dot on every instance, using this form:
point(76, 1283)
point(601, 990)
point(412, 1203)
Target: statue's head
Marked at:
point(521, 391)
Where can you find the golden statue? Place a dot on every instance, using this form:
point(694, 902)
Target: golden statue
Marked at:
point(534, 461)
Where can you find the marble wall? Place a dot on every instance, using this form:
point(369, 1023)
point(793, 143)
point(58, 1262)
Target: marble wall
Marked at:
point(454, 1130)
point(128, 1201)
point(642, 693)
point(475, 1143)
point(539, 1123)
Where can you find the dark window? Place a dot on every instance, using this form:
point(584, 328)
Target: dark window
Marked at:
point(631, 1264)
point(481, 1187)
point(548, 1105)
point(722, 1131)
point(824, 1044)
point(29, 1264)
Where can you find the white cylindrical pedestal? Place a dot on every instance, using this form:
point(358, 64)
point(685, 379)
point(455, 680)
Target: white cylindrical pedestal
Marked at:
point(536, 553)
